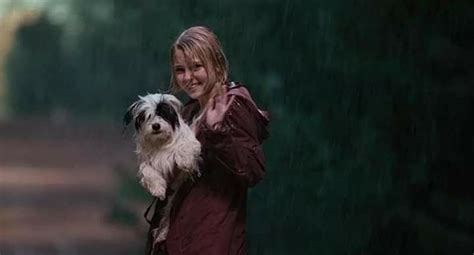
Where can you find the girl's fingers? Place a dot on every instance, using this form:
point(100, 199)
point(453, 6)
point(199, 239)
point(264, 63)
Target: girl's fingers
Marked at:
point(221, 104)
point(218, 107)
point(229, 102)
point(212, 104)
point(216, 102)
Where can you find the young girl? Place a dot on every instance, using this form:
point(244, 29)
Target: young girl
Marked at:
point(209, 212)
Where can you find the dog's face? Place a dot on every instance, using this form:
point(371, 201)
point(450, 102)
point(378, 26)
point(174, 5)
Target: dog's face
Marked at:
point(156, 117)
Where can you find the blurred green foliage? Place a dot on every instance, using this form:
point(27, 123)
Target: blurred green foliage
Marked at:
point(372, 104)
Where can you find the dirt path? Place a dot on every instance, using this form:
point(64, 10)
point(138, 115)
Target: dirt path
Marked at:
point(57, 184)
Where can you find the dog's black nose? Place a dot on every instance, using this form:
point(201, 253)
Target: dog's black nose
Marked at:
point(155, 127)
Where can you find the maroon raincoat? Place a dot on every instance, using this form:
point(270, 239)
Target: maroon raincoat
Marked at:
point(209, 213)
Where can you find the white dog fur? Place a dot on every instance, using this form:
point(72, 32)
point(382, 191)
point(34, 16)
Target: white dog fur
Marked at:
point(167, 149)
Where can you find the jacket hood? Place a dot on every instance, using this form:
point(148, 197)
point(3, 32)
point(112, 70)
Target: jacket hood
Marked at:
point(262, 117)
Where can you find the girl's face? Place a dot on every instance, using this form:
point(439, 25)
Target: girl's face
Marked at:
point(192, 76)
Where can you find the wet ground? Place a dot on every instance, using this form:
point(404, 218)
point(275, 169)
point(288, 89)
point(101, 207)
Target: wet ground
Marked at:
point(57, 186)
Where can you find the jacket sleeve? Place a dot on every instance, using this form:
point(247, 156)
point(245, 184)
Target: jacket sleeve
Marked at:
point(233, 145)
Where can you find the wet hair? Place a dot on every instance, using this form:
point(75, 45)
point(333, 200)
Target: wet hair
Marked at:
point(201, 43)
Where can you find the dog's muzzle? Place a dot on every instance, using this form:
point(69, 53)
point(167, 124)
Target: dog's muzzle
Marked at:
point(156, 128)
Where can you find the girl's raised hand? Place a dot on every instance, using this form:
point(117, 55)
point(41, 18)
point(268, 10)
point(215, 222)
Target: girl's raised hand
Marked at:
point(217, 109)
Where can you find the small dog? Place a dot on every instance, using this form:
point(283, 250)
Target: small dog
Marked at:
point(167, 149)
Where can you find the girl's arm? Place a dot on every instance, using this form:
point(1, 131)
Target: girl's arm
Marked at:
point(233, 143)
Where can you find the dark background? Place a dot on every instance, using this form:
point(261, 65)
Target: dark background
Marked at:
point(371, 147)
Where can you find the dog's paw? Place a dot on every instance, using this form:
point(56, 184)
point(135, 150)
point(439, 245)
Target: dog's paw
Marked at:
point(159, 192)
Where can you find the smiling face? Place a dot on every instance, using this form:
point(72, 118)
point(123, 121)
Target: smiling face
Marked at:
point(191, 75)
point(197, 63)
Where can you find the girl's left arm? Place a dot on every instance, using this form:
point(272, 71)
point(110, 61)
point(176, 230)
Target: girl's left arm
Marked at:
point(234, 144)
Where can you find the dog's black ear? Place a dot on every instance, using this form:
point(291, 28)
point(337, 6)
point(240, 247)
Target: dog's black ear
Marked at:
point(127, 118)
point(174, 102)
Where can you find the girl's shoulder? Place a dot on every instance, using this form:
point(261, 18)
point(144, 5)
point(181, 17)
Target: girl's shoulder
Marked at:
point(243, 93)
point(245, 107)
point(239, 90)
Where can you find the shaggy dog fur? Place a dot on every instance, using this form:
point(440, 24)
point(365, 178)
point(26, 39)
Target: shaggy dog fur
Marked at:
point(167, 149)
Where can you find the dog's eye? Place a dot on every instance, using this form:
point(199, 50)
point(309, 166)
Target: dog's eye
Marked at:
point(168, 113)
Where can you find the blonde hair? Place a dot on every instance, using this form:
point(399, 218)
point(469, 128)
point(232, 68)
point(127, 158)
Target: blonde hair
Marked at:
point(201, 43)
